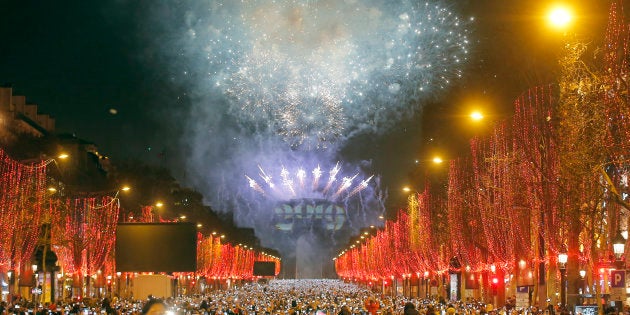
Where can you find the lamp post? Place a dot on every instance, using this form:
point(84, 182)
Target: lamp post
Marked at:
point(118, 274)
point(426, 285)
point(11, 274)
point(619, 247)
point(35, 279)
point(563, 257)
point(582, 290)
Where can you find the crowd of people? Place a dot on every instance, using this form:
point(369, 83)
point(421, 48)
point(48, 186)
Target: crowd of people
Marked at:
point(286, 297)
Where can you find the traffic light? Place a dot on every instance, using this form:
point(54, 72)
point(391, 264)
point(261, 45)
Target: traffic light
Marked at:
point(495, 285)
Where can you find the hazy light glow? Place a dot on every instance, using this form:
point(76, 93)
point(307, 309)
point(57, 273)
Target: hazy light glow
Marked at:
point(437, 160)
point(476, 116)
point(560, 17)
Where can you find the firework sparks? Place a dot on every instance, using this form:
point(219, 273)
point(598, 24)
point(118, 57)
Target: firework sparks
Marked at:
point(266, 178)
point(362, 186)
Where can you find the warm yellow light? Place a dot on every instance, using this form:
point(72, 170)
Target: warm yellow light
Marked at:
point(183, 217)
point(63, 156)
point(125, 188)
point(406, 189)
point(476, 116)
point(159, 204)
point(437, 160)
point(199, 225)
point(560, 17)
point(52, 189)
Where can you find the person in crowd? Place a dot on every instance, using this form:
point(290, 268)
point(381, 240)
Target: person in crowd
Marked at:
point(410, 309)
point(154, 307)
point(372, 306)
point(107, 307)
point(345, 310)
point(450, 310)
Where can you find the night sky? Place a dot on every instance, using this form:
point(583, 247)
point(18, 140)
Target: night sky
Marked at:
point(78, 60)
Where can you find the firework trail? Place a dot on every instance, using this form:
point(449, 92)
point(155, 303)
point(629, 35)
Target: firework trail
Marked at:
point(332, 177)
point(317, 173)
point(364, 184)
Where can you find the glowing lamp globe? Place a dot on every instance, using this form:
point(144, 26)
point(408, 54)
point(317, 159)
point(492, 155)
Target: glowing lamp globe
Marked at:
point(563, 256)
point(619, 245)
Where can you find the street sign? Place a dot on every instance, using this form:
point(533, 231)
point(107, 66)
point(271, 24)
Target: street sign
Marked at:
point(618, 279)
point(617, 285)
point(522, 296)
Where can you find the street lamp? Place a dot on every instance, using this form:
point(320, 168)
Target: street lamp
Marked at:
point(619, 247)
point(563, 257)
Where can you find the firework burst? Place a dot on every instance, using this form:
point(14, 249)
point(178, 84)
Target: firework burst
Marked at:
point(314, 71)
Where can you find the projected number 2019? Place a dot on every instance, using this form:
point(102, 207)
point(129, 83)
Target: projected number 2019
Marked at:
point(331, 216)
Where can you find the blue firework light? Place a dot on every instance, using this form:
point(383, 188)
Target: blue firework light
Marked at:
point(314, 72)
point(327, 195)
